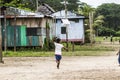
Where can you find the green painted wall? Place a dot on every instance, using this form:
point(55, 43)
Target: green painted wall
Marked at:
point(21, 38)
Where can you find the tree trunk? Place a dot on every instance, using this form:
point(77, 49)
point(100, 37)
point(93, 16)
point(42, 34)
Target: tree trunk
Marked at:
point(1, 56)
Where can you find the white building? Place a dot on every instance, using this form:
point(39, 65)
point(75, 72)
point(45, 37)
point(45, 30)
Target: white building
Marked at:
point(75, 26)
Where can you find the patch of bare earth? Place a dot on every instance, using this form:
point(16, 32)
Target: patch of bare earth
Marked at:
point(71, 68)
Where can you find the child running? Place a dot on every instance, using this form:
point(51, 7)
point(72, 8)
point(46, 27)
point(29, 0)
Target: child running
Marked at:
point(118, 53)
point(58, 51)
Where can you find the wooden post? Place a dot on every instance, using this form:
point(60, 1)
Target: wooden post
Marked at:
point(91, 28)
point(15, 32)
point(65, 4)
point(1, 56)
point(5, 34)
point(73, 46)
point(36, 4)
point(66, 25)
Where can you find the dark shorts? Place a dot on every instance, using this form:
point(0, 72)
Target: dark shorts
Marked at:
point(58, 57)
point(119, 59)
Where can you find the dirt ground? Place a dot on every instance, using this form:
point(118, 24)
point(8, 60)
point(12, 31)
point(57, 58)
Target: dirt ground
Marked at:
point(71, 68)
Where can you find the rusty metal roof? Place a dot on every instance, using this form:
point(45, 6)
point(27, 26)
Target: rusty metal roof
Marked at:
point(11, 12)
point(45, 9)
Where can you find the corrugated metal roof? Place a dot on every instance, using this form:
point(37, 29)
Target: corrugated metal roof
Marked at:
point(23, 16)
point(61, 14)
point(11, 12)
point(45, 9)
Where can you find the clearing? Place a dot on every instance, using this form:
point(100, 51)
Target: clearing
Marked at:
point(71, 68)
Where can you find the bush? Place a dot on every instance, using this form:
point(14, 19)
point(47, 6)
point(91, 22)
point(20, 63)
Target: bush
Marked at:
point(48, 45)
point(87, 36)
point(117, 33)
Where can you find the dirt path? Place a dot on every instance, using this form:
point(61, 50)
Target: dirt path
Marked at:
point(71, 68)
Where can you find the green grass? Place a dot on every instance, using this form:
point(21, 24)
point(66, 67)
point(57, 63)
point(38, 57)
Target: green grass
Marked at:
point(108, 39)
point(79, 50)
point(48, 54)
point(87, 53)
point(84, 50)
point(27, 54)
point(93, 48)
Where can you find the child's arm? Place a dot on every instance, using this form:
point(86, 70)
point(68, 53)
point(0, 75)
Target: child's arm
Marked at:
point(118, 52)
point(65, 48)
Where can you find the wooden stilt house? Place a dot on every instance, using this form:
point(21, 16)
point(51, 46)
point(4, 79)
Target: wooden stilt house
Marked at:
point(23, 27)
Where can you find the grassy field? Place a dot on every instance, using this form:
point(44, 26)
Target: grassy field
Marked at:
point(101, 47)
point(83, 50)
point(101, 39)
point(48, 54)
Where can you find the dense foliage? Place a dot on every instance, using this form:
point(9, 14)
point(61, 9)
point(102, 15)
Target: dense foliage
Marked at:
point(31, 4)
point(111, 13)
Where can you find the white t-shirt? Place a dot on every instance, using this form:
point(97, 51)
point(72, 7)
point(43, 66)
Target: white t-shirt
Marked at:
point(58, 48)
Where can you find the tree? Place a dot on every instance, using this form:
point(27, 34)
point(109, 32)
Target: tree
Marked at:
point(98, 22)
point(56, 4)
point(22, 4)
point(85, 9)
point(31, 4)
point(111, 12)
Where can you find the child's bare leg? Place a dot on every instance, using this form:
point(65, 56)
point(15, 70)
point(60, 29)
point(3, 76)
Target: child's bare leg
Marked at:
point(58, 63)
